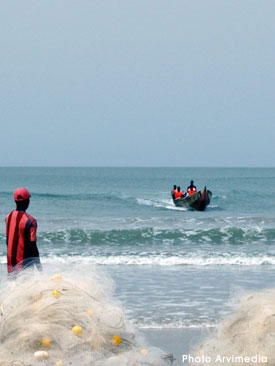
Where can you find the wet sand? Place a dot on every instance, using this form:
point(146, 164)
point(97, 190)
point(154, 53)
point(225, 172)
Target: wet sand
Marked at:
point(175, 341)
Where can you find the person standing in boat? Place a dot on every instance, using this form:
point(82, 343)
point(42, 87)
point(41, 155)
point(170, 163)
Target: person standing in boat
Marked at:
point(179, 193)
point(191, 189)
point(174, 190)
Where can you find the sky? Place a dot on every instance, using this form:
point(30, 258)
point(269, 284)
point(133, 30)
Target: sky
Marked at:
point(137, 83)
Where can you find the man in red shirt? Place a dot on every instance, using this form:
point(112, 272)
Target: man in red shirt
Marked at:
point(179, 193)
point(174, 190)
point(191, 189)
point(21, 234)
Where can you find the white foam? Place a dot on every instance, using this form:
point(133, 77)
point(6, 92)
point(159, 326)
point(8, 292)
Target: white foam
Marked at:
point(168, 204)
point(159, 260)
point(176, 325)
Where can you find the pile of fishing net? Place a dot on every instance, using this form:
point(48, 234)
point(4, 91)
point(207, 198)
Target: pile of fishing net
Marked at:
point(245, 337)
point(63, 319)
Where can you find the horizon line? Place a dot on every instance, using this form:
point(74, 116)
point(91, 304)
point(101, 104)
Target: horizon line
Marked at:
point(136, 166)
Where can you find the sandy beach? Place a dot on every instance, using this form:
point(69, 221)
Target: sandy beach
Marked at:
point(175, 341)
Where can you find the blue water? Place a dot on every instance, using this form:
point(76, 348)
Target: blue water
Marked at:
point(172, 267)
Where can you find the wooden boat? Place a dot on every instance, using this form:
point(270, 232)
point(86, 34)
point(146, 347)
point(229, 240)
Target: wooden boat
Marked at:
point(197, 201)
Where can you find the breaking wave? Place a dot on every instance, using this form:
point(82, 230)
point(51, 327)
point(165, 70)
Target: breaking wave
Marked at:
point(230, 235)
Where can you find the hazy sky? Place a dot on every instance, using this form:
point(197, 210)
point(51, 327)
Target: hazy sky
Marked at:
point(137, 83)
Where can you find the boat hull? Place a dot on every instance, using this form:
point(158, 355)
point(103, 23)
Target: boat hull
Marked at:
point(197, 201)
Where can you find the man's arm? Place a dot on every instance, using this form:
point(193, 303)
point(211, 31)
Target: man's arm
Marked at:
point(7, 238)
point(31, 251)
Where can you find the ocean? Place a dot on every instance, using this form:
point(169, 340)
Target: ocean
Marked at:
point(173, 269)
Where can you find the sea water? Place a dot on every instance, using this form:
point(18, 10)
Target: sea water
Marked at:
point(173, 268)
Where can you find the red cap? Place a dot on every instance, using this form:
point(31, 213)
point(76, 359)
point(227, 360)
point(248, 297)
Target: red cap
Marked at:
point(21, 194)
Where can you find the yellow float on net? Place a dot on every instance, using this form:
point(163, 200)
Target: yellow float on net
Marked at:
point(116, 339)
point(35, 307)
point(57, 276)
point(77, 329)
point(46, 342)
point(90, 312)
point(55, 293)
point(144, 351)
point(59, 363)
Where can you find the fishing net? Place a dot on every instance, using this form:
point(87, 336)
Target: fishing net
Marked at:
point(67, 319)
point(247, 336)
